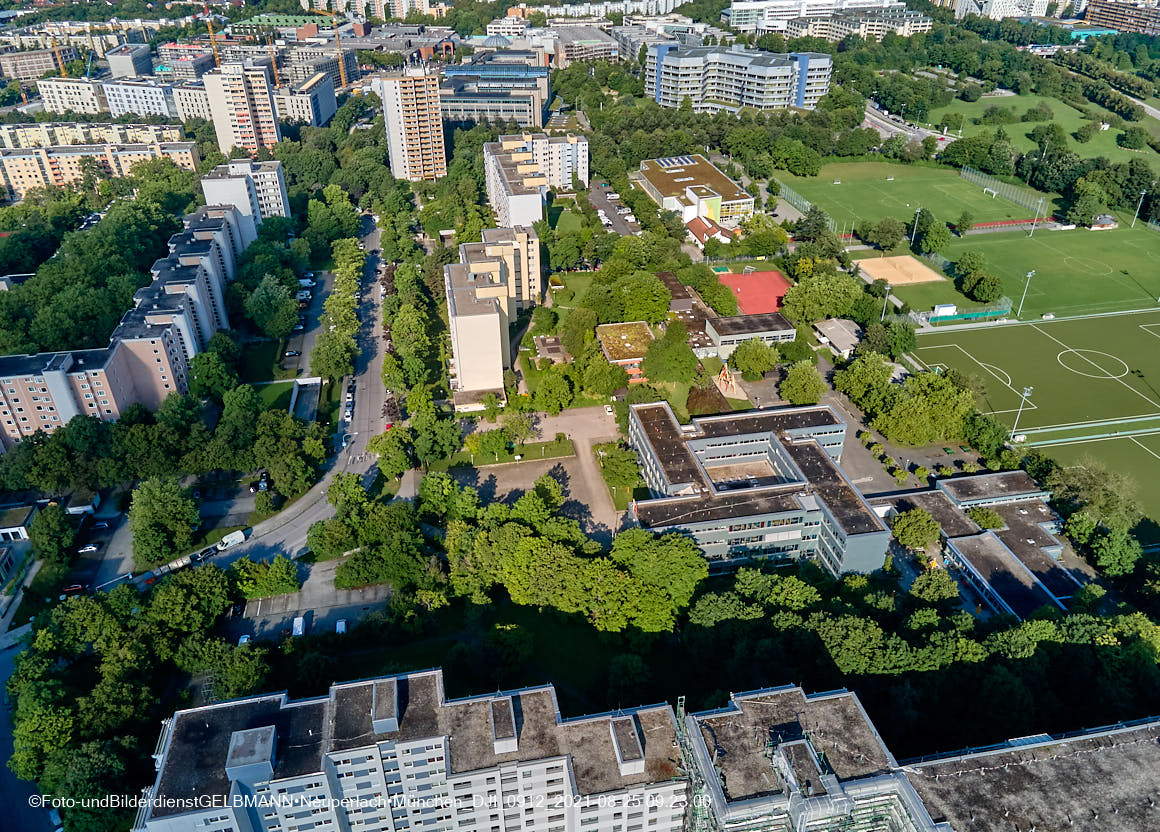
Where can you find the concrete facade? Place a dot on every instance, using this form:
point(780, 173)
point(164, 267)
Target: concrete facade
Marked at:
point(256, 189)
point(77, 95)
point(130, 60)
point(761, 16)
point(519, 170)
point(241, 103)
point(414, 124)
point(23, 169)
point(140, 96)
point(312, 102)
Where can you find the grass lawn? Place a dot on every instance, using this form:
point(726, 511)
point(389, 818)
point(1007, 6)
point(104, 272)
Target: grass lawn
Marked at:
point(528, 451)
point(569, 222)
point(575, 285)
point(42, 592)
point(1096, 386)
point(1070, 119)
point(678, 397)
point(864, 193)
point(533, 374)
point(276, 395)
point(262, 361)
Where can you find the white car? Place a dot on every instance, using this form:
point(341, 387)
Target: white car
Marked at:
point(340, 626)
point(348, 415)
point(88, 549)
point(243, 640)
point(608, 409)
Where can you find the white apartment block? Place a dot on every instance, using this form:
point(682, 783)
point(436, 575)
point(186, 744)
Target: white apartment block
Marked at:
point(519, 170)
point(716, 78)
point(78, 95)
point(310, 103)
point(130, 60)
point(414, 123)
point(192, 101)
point(1001, 9)
point(241, 103)
point(611, 7)
point(140, 96)
point(256, 189)
point(52, 133)
point(871, 25)
point(760, 16)
point(382, 9)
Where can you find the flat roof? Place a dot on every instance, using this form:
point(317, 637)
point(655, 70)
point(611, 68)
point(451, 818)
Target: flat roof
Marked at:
point(757, 293)
point(842, 333)
point(1029, 542)
point(1018, 588)
point(953, 521)
point(624, 342)
point(672, 175)
point(1002, 484)
point(15, 516)
point(750, 324)
point(668, 442)
point(677, 290)
point(842, 499)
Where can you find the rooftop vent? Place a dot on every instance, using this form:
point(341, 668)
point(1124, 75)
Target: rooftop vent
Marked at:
point(503, 725)
point(385, 707)
point(250, 758)
point(626, 741)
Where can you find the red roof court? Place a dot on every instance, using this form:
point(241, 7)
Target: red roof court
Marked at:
point(757, 293)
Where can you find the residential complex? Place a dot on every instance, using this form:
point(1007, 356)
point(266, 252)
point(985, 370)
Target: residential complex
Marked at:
point(520, 169)
point(312, 102)
point(140, 96)
point(756, 486)
point(148, 355)
point(130, 60)
point(241, 102)
point(192, 101)
point(77, 95)
point(1116, 14)
point(761, 16)
point(50, 133)
point(22, 169)
point(256, 189)
point(304, 62)
point(694, 187)
point(413, 123)
point(492, 281)
point(715, 78)
point(30, 65)
point(1001, 9)
point(872, 24)
point(183, 62)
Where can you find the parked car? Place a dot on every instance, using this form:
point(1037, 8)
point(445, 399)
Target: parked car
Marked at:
point(101, 524)
point(75, 589)
point(613, 195)
point(306, 283)
point(254, 487)
point(350, 395)
point(608, 409)
point(204, 553)
point(340, 626)
point(299, 626)
point(243, 640)
point(231, 539)
point(298, 327)
point(89, 548)
point(292, 353)
point(348, 414)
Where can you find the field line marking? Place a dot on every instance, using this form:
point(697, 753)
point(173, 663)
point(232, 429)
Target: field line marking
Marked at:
point(1145, 447)
point(985, 367)
point(1148, 328)
point(1050, 444)
point(1097, 366)
point(1098, 422)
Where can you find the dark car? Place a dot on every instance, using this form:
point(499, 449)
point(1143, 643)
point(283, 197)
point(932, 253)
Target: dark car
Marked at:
point(75, 589)
point(102, 524)
point(291, 353)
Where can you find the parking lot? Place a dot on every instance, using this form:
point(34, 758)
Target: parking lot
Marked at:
point(598, 196)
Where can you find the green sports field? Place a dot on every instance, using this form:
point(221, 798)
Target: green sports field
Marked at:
point(1096, 386)
point(865, 192)
point(1078, 272)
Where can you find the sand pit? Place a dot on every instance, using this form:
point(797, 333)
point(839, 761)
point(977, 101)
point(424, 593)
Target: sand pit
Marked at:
point(899, 271)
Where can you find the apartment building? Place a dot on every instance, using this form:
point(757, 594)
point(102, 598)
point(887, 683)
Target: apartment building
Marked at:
point(22, 169)
point(492, 281)
point(757, 486)
point(471, 98)
point(148, 354)
point(130, 60)
point(77, 95)
point(304, 62)
point(1001, 9)
point(192, 101)
point(1115, 14)
point(872, 24)
point(183, 61)
point(761, 16)
point(140, 96)
point(520, 169)
point(311, 103)
point(49, 134)
point(241, 103)
point(256, 189)
point(695, 187)
point(715, 78)
point(414, 123)
point(30, 65)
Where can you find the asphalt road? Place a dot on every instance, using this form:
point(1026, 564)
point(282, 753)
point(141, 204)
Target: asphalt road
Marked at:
point(14, 793)
point(597, 195)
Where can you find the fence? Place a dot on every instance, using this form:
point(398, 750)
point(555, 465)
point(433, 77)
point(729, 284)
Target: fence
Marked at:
point(993, 310)
point(1155, 226)
point(800, 202)
point(1009, 192)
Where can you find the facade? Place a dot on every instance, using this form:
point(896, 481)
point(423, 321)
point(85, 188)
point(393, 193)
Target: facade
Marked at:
point(873, 24)
point(728, 333)
point(586, 43)
point(413, 123)
point(148, 354)
point(731, 78)
point(310, 103)
point(130, 60)
point(256, 189)
point(183, 62)
point(48, 134)
point(520, 169)
point(304, 62)
point(694, 187)
point(23, 169)
point(492, 281)
point(509, 68)
point(1121, 16)
point(470, 98)
point(756, 486)
point(192, 101)
point(77, 95)
point(29, 66)
point(241, 103)
point(140, 96)
point(1001, 9)
point(761, 16)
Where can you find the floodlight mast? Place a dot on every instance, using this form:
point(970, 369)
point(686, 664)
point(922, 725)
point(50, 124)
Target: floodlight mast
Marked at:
point(1015, 428)
point(1030, 275)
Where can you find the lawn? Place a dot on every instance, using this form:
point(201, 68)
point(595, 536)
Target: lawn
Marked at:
point(855, 191)
point(1096, 386)
point(533, 374)
point(1070, 119)
point(276, 395)
point(569, 222)
point(41, 593)
point(262, 361)
point(575, 285)
point(528, 451)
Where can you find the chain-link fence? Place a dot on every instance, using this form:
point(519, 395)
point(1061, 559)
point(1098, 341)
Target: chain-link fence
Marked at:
point(1007, 191)
point(800, 202)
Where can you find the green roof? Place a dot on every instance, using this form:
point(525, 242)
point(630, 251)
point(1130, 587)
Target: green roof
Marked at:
point(10, 518)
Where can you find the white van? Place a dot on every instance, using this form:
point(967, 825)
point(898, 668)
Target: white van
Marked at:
point(299, 626)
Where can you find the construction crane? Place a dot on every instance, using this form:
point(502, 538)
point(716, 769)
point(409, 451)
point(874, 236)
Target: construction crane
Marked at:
point(89, 68)
point(212, 40)
point(273, 58)
point(337, 45)
point(59, 59)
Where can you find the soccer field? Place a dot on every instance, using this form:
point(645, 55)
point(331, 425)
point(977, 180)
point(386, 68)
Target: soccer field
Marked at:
point(1096, 386)
point(865, 193)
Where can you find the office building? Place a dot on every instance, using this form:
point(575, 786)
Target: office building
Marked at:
point(715, 78)
point(192, 101)
point(413, 123)
point(872, 24)
point(241, 103)
point(311, 103)
point(519, 170)
point(304, 62)
point(602, 9)
point(76, 95)
point(1114, 14)
point(148, 355)
point(470, 98)
point(130, 60)
point(585, 43)
point(761, 16)
point(26, 168)
point(256, 189)
point(694, 187)
point(29, 66)
point(492, 281)
point(50, 133)
point(516, 69)
point(756, 486)
point(508, 26)
point(140, 96)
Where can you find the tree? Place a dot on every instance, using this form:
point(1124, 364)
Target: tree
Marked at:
point(966, 223)
point(936, 238)
point(643, 297)
point(802, 384)
point(602, 377)
point(272, 308)
point(52, 534)
point(819, 296)
point(333, 355)
point(887, 233)
point(210, 376)
point(578, 329)
point(1116, 552)
point(162, 517)
point(753, 358)
point(935, 586)
point(434, 438)
point(986, 518)
point(915, 528)
point(1088, 199)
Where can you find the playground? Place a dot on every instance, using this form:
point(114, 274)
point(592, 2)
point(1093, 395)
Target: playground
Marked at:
point(853, 192)
point(1095, 380)
point(902, 270)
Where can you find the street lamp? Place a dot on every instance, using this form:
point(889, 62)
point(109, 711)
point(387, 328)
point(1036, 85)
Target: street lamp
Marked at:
point(1023, 401)
point(1030, 275)
point(1138, 206)
point(914, 230)
point(885, 300)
